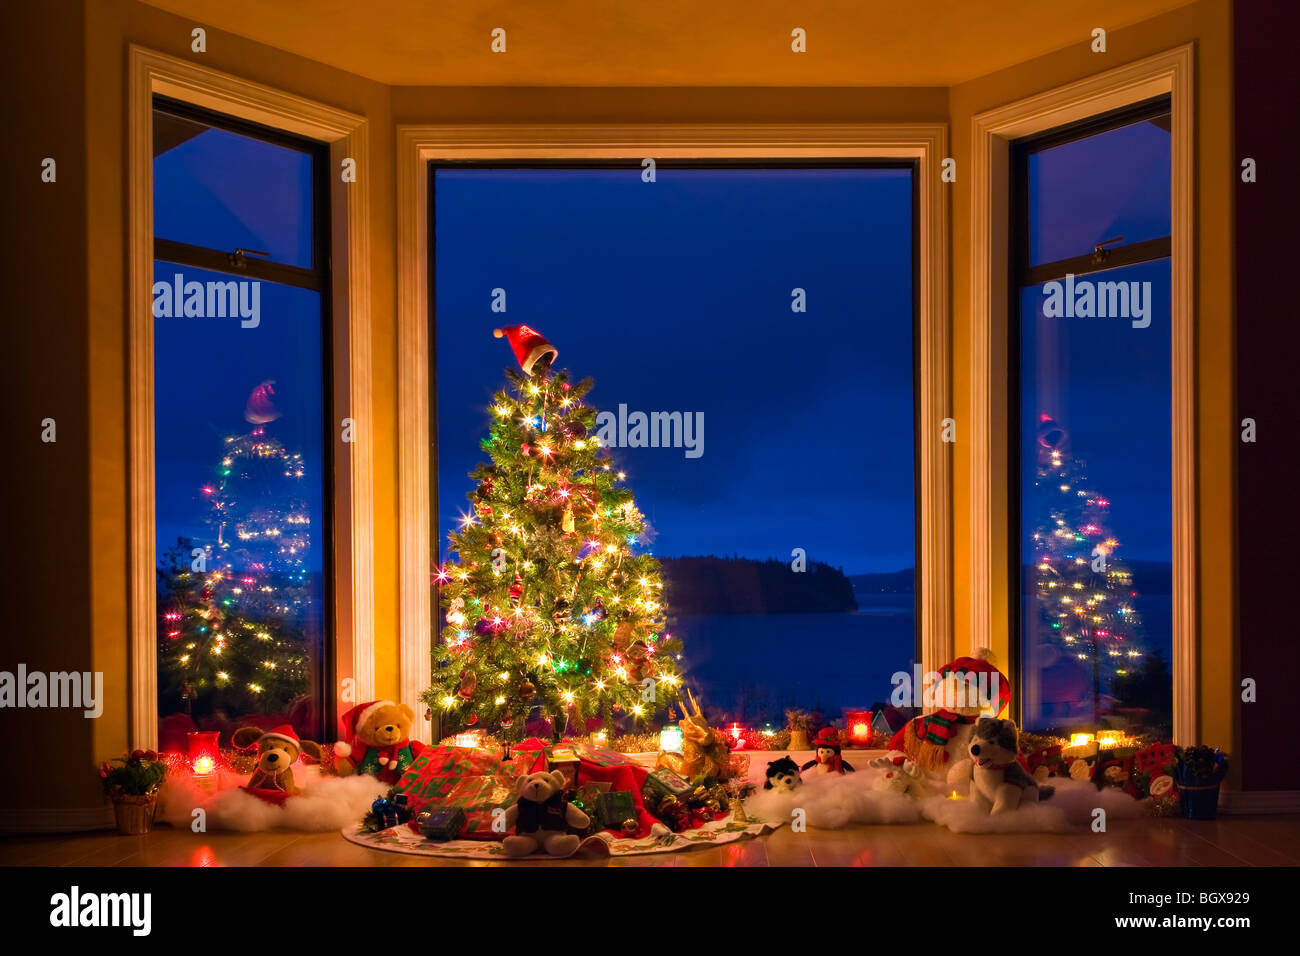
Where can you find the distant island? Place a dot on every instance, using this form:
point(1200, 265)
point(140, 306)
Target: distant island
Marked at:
point(715, 585)
point(735, 585)
point(889, 582)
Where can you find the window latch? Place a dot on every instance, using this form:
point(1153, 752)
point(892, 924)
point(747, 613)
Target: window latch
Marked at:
point(238, 259)
point(1100, 253)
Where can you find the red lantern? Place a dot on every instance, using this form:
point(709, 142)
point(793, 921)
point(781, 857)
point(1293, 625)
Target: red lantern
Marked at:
point(203, 752)
point(859, 724)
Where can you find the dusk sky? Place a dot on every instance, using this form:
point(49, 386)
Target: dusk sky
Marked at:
point(676, 296)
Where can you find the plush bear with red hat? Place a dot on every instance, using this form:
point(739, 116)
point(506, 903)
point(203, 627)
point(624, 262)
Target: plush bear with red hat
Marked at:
point(826, 748)
point(967, 689)
point(378, 741)
point(277, 751)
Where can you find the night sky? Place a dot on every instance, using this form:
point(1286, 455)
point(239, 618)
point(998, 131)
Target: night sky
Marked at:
point(676, 296)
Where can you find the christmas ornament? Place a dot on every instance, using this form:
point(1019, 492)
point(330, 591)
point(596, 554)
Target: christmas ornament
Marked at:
point(530, 348)
point(456, 612)
point(630, 827)
point(526, 689)
point(637, 663)
point(616, 580)
point(623, 635)
point(486, 488)
point(566, 522)
point(598, 610)
point(516, 589)
point(468, 683)
point(483, 627)
point(562, 614)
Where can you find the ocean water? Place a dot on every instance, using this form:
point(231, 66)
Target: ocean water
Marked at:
point(751, 667)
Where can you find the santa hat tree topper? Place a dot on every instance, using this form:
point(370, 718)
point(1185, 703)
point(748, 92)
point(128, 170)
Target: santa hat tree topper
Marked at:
point(530, 347)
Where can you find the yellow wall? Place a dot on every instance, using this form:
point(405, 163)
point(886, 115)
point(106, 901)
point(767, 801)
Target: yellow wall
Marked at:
point(98, 414)
point(1207, 24)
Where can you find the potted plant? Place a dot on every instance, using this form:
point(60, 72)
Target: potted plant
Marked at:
point(1198, 774)
point(800, 723)
point(132, 781)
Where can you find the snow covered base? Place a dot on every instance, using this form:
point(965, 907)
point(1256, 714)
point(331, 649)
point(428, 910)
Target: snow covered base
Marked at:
point(831, 801)
point(326, 803)
point(1071, 807)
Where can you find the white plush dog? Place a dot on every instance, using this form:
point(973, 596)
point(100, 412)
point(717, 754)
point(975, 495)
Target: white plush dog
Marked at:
point(997, 781)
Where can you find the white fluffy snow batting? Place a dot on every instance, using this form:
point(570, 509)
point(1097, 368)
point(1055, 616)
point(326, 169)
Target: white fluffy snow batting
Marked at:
point(326, 803)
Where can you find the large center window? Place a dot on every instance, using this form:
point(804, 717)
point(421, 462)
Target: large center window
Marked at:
point(767, 315)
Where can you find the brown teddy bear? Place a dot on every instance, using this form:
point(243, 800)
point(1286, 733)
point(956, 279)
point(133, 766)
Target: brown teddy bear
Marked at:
point(542, 817)
point(277, 751)
point(378, 741)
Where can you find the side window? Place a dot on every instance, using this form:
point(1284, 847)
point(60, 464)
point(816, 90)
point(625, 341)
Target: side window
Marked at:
point(1092, 330)
point(242, 458)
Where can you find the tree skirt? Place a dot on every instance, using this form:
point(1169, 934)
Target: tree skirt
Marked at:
point(402, 839)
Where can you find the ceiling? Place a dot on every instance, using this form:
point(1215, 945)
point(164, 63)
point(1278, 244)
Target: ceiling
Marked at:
point(668, 42)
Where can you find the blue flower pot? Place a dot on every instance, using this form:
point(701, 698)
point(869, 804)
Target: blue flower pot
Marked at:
point(1199, 802)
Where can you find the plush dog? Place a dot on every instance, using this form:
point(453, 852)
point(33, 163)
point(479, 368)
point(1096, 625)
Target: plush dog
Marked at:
point(998, 782)
point(542, 817)
point(899, 775)
point(782, 775)
point(277, 751)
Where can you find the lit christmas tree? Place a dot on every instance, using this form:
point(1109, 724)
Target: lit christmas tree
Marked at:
point(547, 603)
point(1085, 596)
point(233, 638)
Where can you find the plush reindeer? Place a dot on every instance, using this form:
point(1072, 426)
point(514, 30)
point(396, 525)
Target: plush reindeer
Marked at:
point(900, 775)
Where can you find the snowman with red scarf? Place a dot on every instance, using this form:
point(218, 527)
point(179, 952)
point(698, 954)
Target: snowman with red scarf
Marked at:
point(967, 689)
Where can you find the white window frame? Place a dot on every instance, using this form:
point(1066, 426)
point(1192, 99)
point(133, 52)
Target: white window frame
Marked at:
point(417, 146)
point(992, 132)
point(352, 640)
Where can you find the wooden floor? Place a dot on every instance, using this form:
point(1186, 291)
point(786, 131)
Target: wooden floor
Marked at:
point(1235, 841)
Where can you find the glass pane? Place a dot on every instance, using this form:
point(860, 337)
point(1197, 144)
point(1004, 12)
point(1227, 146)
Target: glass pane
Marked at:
point(677, 296)
point(1101, 187)
point(225, 191)
point(1096, 502)
point(240, 501)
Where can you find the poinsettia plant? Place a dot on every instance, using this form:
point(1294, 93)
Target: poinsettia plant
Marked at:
point(1200, 765)
point(137, 774)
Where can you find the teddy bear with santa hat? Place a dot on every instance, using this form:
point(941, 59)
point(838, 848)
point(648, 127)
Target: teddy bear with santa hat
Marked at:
point(936, 743)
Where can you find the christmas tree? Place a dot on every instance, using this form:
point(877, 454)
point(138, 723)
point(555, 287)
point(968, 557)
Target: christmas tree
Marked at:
point(1087, 618)
point(237, 609)
point(548, 602)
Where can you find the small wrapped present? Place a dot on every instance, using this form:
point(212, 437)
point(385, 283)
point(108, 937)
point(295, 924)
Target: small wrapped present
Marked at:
point(388, 812)
point(665, 783)
point(444, 823)
point(614, 807)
